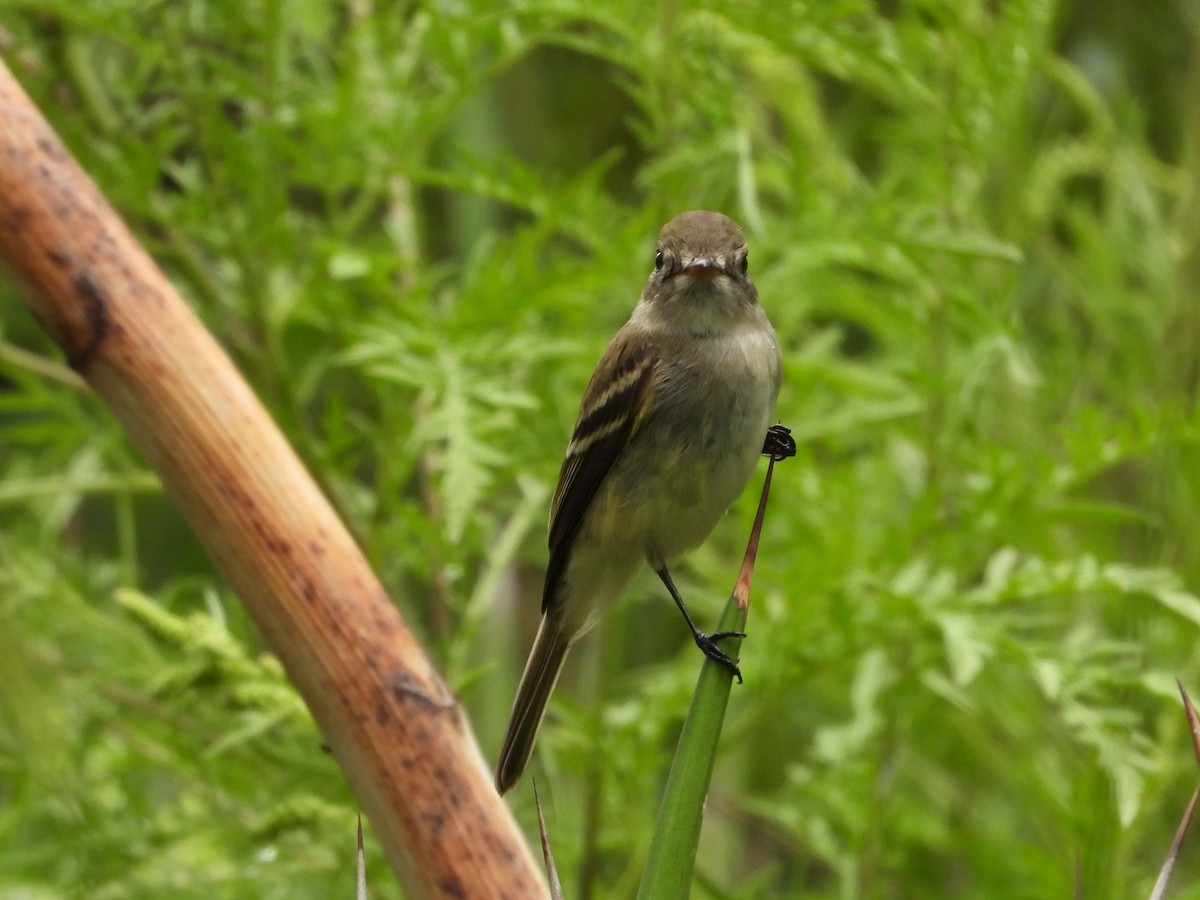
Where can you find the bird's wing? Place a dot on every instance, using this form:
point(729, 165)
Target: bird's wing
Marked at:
point(614, 404)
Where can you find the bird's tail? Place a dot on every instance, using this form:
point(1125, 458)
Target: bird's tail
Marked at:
point(537, 683)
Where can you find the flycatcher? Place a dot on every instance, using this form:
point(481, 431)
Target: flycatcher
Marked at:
point(669, 431)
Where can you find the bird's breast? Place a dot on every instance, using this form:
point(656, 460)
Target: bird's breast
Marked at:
point(697, 446)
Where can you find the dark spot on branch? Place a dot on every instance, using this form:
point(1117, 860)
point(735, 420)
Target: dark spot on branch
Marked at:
point(95, 310)
point(405, 686)
point(52, 148)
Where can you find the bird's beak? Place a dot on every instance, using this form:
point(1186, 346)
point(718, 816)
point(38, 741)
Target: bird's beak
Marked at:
point(703, 268)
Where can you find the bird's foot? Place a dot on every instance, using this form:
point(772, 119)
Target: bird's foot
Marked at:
point(708, 644)
point(779, 443)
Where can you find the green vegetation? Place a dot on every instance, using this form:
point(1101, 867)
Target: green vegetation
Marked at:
point(974, 225)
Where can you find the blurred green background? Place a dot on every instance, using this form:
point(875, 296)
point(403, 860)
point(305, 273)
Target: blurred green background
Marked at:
point(414, 227)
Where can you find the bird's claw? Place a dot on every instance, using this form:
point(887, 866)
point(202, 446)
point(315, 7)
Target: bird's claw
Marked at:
point(779, 443)
point(708, 644)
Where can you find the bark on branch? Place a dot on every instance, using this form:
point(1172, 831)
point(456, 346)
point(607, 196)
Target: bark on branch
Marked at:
point(394, 726)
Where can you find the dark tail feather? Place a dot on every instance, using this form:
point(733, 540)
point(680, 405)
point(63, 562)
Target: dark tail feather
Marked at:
point(537, 683)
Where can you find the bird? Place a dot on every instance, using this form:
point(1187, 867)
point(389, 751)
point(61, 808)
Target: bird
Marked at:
point(668, 434)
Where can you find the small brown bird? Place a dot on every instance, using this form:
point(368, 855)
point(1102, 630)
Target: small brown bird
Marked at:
point(669, 432)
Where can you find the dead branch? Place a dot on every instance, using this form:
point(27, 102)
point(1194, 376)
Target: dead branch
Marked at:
point(394, 726)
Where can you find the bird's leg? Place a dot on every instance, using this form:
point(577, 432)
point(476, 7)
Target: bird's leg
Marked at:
point(706, 642)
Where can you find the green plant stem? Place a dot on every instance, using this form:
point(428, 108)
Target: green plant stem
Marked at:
point(672, 856)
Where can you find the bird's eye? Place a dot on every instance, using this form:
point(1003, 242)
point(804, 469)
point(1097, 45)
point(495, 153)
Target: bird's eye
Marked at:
point(658, 260)
point(745, 263)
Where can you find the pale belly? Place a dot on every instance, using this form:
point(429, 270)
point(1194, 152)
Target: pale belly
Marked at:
point(675, 478)
point(676, 487)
